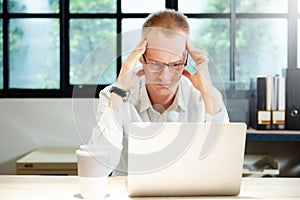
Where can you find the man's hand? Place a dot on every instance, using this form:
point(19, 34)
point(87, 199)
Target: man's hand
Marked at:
point(201, 79)
point(127, 77)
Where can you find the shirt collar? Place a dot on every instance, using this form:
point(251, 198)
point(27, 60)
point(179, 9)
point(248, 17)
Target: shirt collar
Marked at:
point(144, 98)
point(180, 95)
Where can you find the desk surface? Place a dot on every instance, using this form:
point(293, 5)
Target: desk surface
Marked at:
point(67, 187)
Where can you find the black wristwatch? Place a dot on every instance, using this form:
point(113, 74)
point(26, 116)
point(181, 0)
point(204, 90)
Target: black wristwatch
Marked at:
point(122, 93)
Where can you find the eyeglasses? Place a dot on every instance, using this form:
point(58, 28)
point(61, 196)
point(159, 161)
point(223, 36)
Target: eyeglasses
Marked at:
point(158, 66)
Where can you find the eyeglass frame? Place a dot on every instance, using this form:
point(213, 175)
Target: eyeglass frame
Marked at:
point(164, 64)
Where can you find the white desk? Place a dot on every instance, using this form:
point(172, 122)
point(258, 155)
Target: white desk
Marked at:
point(67, 187)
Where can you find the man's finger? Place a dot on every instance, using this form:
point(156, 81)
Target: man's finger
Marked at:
point(135, 55)
point(138, 52)
point(195, 52)
point(140, 73)
point(141, 50)
point(189, 46)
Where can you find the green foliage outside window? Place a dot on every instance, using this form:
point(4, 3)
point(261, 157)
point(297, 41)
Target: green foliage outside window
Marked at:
point(86, 38)
point(92, 42)
point(257, 47)
point(19, 6)
point(92, 6)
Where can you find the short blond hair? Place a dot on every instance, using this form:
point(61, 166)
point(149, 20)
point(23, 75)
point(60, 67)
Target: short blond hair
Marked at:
point(168, 19)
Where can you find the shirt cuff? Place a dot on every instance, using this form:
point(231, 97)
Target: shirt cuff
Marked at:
point(218, 118)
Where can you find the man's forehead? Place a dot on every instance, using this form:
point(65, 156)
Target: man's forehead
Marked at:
point(169, 42)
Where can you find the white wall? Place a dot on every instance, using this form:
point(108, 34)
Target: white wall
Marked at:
point(27, 124)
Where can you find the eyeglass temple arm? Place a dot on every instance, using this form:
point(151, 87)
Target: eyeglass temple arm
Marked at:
point(186, 61)
point(144, 58)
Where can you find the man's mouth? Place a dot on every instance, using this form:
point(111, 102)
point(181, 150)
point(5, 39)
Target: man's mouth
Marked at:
point(164, 84)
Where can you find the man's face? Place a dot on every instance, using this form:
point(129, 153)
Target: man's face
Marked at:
point(164, 59)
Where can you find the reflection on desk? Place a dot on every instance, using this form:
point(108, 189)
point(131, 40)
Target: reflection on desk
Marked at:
point(67, 187)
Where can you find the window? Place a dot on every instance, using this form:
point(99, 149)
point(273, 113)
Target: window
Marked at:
point(34, 53)
point(144, 6)
point(261, 47)
point(31, 42)
point(87, 32)
point(87, 36)
point(204, 6)
point(92, 6)
point(262, 6)
point(213, 36)
point(244, 39)
point(33, 6)
point(49, 47)
point(261, 39)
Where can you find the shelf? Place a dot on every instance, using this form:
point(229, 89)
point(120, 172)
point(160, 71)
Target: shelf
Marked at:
point(251, 131)
point(273, 135)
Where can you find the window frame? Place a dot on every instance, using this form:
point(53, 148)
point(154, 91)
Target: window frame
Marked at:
point(64, 16)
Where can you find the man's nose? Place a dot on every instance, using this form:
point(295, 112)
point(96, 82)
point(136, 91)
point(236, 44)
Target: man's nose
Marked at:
point(165, 73)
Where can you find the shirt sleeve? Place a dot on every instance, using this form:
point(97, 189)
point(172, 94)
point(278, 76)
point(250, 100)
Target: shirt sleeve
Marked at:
point(222, 115)
point(109, 123)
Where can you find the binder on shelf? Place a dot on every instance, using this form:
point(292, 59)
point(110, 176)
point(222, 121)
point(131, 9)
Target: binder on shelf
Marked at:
point(253, 103)
point(269, 93)
point(292, 115)
point(267, 105)
point(275, 95)
point(278, 113)
point(281, 95)
point(263, 103)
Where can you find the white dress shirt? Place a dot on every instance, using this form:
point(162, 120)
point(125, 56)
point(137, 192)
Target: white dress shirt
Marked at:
point(188, 106)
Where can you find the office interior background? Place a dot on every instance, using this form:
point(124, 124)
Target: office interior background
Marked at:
point(48, 97)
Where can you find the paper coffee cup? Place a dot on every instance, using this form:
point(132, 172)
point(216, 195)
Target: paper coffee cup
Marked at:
point(93, 170)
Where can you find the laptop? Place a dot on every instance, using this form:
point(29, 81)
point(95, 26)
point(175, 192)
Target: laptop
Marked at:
point(185, 159)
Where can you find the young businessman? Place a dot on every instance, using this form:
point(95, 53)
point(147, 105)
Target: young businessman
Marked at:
point(163, 90)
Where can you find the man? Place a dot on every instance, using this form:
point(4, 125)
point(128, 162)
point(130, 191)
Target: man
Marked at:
point(163, 90)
